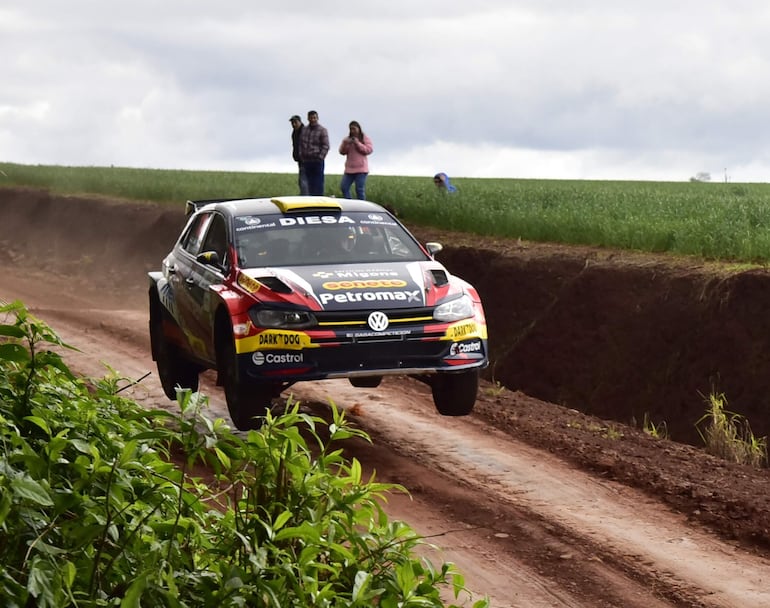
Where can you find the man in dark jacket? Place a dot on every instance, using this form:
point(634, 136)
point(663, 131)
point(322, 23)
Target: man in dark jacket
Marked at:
point(296, 134)
point(314, 145)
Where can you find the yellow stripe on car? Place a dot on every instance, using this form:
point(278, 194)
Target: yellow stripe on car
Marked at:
point(274, 339)
point(463, 330)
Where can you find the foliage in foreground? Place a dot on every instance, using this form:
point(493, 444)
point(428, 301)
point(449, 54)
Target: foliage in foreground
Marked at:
point(728, 435)
point(100, 503)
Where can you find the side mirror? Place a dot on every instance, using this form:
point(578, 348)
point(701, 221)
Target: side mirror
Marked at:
point(433, 248)
point(210, 258)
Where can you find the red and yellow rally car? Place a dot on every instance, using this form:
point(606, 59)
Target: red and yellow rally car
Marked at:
point(273, 291)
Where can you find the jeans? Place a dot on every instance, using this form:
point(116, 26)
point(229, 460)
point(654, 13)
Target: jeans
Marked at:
point(314, 172)
point(302, 178)
point(359, 179)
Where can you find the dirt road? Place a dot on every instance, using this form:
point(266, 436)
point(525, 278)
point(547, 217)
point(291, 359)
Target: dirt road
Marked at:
point(495, 492)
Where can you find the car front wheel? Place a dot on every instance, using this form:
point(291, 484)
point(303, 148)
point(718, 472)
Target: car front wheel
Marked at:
point(247, 400)
point(173, 369)
point(455, 394)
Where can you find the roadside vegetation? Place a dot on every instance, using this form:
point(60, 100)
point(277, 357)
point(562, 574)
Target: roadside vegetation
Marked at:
point(714, 221)
point(104, 503)
point(657, 431)
point(725, 434)
point(728, 435)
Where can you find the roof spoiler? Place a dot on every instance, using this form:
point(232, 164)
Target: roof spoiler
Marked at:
point(191, 207)
point(287, 204)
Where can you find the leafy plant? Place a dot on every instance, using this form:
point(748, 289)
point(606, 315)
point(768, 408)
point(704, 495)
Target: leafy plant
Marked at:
point(658, 431)
point(728, 435)
point(103, 503)
point(496, 389)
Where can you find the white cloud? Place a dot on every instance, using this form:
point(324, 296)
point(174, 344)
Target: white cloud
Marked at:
point(547, 89)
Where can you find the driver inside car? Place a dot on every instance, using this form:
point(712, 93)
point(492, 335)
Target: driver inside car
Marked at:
point(331, 243)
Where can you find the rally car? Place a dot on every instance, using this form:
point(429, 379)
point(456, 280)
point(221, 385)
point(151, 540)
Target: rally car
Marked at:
point(273, 291)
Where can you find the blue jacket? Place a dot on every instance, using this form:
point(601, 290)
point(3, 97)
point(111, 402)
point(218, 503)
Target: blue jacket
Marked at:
point(445, 183)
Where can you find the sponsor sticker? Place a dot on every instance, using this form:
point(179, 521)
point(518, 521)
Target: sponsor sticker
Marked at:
point(249, 284)
point(463, 329)
point(465, 348)
point(269, 358)
point(248, 223)
point(395, 333)
point(366, 273)
point(371, 296)
point(370, 284)
point(315, 219)
point(273, 338)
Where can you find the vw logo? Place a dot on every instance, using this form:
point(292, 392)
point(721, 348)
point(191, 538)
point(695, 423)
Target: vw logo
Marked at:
point(378, 321)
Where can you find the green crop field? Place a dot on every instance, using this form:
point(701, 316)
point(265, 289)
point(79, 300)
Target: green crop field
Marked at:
point(715, 221)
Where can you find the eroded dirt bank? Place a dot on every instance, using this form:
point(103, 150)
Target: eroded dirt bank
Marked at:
point(616, 335)
point(622, 336)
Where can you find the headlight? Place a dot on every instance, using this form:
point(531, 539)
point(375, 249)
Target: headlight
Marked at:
point(454, 310)
point(282, 319)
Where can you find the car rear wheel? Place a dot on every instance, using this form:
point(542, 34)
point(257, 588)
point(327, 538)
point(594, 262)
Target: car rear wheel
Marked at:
point(455, 394)
point(366, 381)
point(247, 400)
point(173, 369)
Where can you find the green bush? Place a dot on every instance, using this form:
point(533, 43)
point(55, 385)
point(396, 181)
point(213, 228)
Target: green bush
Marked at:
point(104, 503)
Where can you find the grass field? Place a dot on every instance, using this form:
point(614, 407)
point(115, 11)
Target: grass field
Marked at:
point(717, 221)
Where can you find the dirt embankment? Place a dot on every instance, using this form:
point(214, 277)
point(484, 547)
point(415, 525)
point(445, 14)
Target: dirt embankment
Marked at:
point(618, 335)
point(623, 336)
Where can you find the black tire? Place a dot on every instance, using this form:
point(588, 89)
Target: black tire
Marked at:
point(247, 400)
point(366, 381)
point(173, 369)
point(455, 394)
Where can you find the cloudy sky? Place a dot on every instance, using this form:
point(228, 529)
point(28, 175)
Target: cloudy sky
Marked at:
point(565, 89)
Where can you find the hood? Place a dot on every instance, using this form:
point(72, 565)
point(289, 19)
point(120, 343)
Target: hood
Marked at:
point(360, 286)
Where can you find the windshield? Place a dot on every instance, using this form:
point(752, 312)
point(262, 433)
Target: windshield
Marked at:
point(322, 238)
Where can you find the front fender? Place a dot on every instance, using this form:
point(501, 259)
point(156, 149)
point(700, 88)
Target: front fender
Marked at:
point(165, 294)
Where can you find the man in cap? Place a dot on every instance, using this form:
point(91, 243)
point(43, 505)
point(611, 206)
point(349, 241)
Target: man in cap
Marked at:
point(296, 135)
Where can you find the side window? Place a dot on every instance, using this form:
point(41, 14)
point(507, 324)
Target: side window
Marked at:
point(193, 238)
point(216, 238)
point(396, 245)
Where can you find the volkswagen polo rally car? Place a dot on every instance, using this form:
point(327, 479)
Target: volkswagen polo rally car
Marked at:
point(269, 292)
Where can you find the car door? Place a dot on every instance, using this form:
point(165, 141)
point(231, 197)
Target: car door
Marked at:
point(204, 274)
point(182, 277)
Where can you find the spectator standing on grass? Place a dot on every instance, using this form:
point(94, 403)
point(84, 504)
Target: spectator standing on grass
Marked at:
point(296, 134)
point(314, 146)
point(442, 182)
point(356, 147)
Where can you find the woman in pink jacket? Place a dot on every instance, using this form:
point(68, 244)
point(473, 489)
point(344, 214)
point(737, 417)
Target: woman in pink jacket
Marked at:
point(356, 147)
